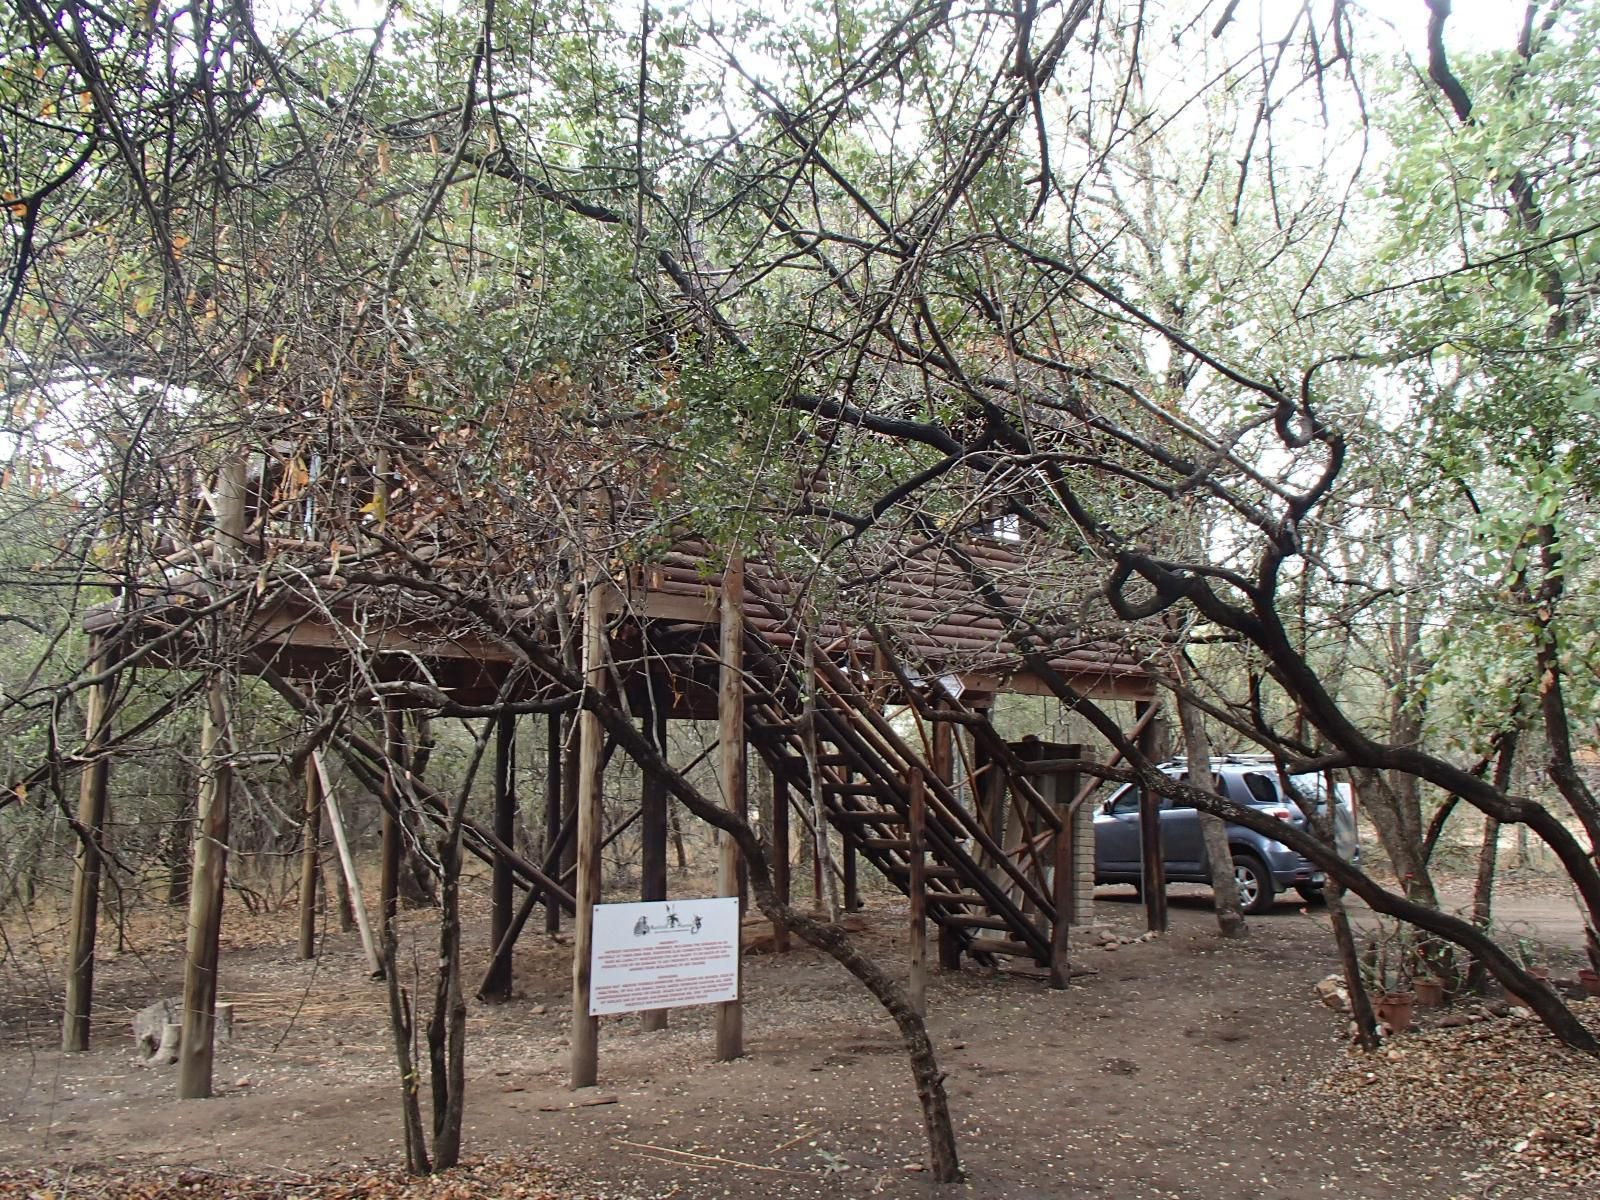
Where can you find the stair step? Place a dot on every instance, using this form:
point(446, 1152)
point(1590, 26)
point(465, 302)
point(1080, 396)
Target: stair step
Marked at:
point(903, 845)
point(851, 789)
point(973, 921)
point(833, 760)
point(877, 816)
point(967, 898)
point(996, 946)
point(766, 726)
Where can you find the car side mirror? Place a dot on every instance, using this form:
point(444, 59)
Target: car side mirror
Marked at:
point(1106, 807)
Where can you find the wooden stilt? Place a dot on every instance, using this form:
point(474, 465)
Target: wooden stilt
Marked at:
point(653, 835)
point(392, 849)
point(780, 856)
point(1152, 856)
point(310, 836)
point(949, 949)
point(1060, 788)
point(92, 791)
point(943, 765)
point(209, 874)
point(205, 896)
point(497, 984)
point(585, 1028)
point(552, 811)
point(917, 980)
point(730, 732)
point(347, 867)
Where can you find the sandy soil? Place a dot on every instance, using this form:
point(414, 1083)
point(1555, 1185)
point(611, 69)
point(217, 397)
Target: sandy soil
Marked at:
point(1179, 1069)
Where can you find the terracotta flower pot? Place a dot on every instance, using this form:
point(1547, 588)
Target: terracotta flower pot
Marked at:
point(1394, 1009)
point(1430, 992)
point(1590, 979)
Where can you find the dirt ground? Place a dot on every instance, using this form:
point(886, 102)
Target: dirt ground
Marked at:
point(1181, 1068)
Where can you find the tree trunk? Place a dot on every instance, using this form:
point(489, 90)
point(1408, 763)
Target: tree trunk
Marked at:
point(1400, 836)
point(400, 1026)
point(1488, 856)
point(447, 1031)
point(1213, 829)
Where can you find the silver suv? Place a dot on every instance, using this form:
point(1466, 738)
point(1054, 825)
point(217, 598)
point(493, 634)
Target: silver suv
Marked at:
point(1262, 867)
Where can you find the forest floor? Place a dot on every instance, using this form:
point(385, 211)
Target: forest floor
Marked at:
point(1182, 1068)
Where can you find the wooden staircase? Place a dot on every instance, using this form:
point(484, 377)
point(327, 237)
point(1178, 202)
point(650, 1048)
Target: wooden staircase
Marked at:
point(982, 898)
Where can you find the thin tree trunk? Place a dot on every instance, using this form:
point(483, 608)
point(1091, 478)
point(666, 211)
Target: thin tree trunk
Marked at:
point(1488, 856)
point(1401, 842)
point(401, 1027)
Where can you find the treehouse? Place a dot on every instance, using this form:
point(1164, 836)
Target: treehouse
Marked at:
point(862, 672)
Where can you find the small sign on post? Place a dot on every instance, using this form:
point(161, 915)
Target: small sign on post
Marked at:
point(664, 954)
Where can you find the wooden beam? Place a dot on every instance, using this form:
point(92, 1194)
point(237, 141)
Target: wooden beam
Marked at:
point(552, 812)
point(653, 832)
point(731, 757)
point(92, 791)
point(205, 895)
point(1152, 856)
point(1061, 788)
point(944, 767)
point(211, 833)
point(497, 984)
point(917, 980)
point(781, 882)
point(347, 864)
point(310, 836)
point(585, 1063)
point(392, 848)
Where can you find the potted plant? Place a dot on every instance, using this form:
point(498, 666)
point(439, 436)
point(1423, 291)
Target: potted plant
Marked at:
point(1393, 999)
point(1429, 990)
point(1394, 1009)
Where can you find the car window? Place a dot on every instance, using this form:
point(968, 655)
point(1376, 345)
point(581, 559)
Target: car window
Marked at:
point(1127, 801)
point(1262, 788)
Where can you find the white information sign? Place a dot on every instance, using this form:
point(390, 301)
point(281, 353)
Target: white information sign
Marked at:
point(664, 954)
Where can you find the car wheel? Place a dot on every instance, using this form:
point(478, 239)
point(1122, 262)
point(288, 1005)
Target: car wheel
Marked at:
point(1254, 883)
point(1312, 893)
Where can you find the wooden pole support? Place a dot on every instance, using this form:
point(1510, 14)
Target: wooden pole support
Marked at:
point(917, 981)
point(1152, 857)
point(781, 883)
point(347, 865)
point(391, 848)
point(852, 882)
point(205, 896)
point(211, 833)
point(497, 984)
point(310, 836)
point(1060, 788)
point(653, 834)
point(552, 811)
point(585, 1064)
point(92, 790)
point(731, 756)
